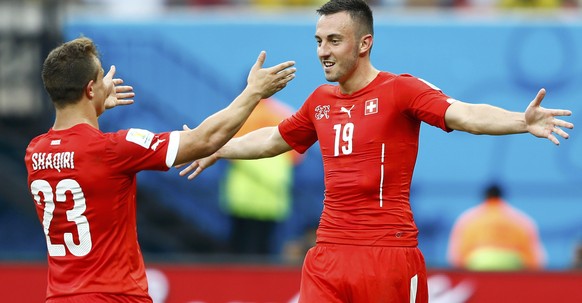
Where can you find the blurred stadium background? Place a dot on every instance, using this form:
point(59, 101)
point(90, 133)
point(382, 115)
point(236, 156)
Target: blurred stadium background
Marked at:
point(187, 59)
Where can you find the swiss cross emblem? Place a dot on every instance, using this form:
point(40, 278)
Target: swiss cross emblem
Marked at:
point(371, 107)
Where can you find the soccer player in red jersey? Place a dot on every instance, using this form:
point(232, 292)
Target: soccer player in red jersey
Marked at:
point(368, 130)
point(83, 181)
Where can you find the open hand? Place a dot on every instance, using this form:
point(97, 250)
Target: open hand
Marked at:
point(197, 166)
point(269, 80)
point(542, 122)
point(118, 94)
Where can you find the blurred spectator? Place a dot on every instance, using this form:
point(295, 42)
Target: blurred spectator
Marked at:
point(199, 2)
point(537, 4)
point(135, 7)
point(495, 236)
point(577, 264)
point(515, 4)
point(257, 193)
point(294, 250)
point(428, 3)
point(286, 3)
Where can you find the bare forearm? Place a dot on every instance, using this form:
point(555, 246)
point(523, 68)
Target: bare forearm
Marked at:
point(484, 119)
point(217, 129)
point(223, 125)
point(262, 143)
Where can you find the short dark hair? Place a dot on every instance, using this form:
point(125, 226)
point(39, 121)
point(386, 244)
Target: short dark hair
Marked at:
point(359, 11)
point(493, 191)
point(67, 70)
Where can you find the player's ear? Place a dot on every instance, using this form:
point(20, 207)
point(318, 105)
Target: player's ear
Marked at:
point(89, 90)
point(366, 43)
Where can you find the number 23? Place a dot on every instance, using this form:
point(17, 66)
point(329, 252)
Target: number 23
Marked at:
point(73, 215)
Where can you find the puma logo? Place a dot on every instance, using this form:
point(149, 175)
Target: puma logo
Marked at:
point(347, 111)
point(155, 145)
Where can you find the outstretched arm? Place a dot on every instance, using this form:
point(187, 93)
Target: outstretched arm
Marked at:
point(118, 94)
point(217, 129)
point(490, 120)
point(262, 143)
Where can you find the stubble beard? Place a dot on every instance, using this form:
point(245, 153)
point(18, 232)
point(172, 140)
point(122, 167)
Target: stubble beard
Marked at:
point(341, 69)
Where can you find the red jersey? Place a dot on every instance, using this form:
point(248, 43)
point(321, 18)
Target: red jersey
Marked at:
point(83, 183)
point(369, 144)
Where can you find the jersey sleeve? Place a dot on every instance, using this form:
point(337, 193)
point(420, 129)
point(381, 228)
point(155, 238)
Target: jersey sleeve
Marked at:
point(298, 130)
point(423, 101)
point(135, 150)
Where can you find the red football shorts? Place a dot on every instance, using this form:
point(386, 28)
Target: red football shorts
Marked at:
point(99, 298)
point(363, 274)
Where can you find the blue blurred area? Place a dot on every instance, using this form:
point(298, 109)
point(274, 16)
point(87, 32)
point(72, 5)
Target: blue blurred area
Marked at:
point(186, 67)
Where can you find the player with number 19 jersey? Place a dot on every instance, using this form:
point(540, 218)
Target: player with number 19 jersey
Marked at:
point(83, 183)
point(369, 145)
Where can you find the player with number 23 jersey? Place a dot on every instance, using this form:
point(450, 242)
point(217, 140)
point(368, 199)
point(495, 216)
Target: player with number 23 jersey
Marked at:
point(85, 199)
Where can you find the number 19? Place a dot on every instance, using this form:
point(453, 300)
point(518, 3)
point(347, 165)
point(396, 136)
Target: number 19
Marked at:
point(347, 135)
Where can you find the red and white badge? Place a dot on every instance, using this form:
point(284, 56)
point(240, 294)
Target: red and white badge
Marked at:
point(371, 107)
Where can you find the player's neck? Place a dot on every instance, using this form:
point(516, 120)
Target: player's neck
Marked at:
point(72, 115)
point(359, 79)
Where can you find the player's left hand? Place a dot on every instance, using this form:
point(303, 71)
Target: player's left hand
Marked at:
point(119, 94)
point(197, 166)
point(542, 122)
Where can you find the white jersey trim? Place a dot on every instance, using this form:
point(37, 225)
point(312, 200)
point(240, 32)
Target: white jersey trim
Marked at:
point(173, 145)
point(382, 176)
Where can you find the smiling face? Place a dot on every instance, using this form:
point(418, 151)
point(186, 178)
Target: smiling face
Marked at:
point(337, 46)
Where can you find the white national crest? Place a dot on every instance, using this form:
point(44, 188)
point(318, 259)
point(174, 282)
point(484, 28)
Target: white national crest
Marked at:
point(322, 111)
